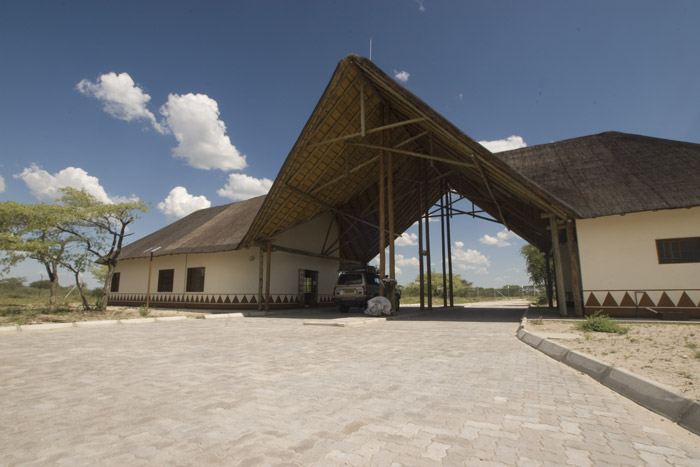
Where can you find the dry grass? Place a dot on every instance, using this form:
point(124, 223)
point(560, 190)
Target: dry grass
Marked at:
point(665, 352)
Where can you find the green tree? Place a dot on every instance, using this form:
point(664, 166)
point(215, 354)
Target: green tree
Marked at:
point(100, 227)
point(534, 263)
point(30, 231)
point(460, 287)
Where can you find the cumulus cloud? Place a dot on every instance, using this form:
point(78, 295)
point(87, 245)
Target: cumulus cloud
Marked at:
point(421, 7)
point(401, 260)
point(2, 184)
point(45, 186)
point(179, 203)
point(459, 244)
point(240, 187)
point(203, 143)
point(121, 98)
point(501, 239)
point(402, 75)
point(511, 142)
point(406, 239)
point(470, 260)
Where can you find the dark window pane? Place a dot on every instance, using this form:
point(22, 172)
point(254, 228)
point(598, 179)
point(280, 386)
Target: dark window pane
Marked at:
point(195, 279)
point(678, 250)
point(165, 280)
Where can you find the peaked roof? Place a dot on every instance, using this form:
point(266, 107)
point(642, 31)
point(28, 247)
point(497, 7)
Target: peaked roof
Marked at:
point(220, 228)
point(334, 166)
point(613, 173)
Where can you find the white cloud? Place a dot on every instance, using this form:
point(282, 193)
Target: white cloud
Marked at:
point(402, 75)
point(511, 142)
point(203, 143)
point(406, 239)
point(45, 187)
point(121, 98)
point(460, 96)
point(2, 184)
point(459, 244)
point(421, 7)
point(401, 260)
point(241, 186)
point(470, 260)
point(179, 203)
point(501, 238)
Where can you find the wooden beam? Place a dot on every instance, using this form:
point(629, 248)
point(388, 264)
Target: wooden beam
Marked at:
point(382, 239)
point(488, 188)
point(359, 134)
point(267, 276)
point(575, 268)
point(345, 175)
point(412, 138)
point(260, 279)
point(413, 154)
point(558, 269)
point(420, 248)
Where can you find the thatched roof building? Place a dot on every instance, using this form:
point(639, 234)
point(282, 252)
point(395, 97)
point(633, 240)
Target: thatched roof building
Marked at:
point(613, 173)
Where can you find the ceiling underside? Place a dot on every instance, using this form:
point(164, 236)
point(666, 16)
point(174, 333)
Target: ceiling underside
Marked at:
point(365, 116)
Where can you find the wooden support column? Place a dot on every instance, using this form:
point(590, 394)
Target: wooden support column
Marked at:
point(575, 268)
point(427, 247)
point(382, 216)
point(260, 279)
point(442, 241)
point(421, 258)
point(558, 270)
point(390, 206)
point(548, 279)
point(449, 248)
point(267, 276)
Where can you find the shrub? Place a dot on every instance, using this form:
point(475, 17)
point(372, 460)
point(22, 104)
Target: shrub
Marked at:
point(599, 322)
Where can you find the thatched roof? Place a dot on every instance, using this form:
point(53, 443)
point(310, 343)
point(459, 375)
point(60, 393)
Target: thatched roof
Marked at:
point(220, 228)
point(334, 166)
point(613, 173)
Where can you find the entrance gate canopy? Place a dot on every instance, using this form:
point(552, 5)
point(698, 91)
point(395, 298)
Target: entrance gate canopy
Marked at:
point(363, 117)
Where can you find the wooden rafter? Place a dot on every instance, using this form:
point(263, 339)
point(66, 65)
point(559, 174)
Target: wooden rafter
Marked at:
point(413, 154)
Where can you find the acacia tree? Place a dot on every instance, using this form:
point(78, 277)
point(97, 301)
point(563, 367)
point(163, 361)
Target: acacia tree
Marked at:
point(30, 231)
point(534, 263)
point(100, 227)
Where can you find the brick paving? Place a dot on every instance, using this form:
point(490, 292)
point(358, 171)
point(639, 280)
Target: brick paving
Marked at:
point(447, 388)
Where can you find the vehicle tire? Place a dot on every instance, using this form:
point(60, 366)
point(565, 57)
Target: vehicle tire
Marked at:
point(343, 308)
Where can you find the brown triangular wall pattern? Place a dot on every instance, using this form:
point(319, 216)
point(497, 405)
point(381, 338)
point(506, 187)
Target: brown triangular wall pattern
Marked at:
point(665, 301)
point(627, 300)
point(253, 300)
point(609, 300)
point(645, 300)
point(685, 301)
point(592, 301)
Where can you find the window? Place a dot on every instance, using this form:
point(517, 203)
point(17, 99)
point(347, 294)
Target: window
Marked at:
point(165, 280)
point(195, 279)
point(678, 250)
point(115, 282)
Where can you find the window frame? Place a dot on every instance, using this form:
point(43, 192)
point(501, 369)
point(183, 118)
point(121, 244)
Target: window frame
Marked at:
point(192, 283)
point(670, 250)
point(166, 284)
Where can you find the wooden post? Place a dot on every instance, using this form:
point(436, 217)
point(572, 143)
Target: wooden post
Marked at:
point(267, 276)
point(390, 206)
point(382, 239)
point(260, 279)
point(575, 268)
point(548, 279)
point(558, 270)
point(420, 247)
point(427, 246)
point(449, 248)
point(148, 286)
point(442, 241)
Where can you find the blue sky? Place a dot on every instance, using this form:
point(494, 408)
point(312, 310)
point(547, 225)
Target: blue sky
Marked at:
point(189, 104)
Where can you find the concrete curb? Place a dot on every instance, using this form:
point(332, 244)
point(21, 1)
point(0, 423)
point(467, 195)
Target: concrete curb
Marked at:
point(645, 392)
point(223, 315)
point(344, 322)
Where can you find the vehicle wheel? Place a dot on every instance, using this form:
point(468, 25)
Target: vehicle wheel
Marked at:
point(343, 308)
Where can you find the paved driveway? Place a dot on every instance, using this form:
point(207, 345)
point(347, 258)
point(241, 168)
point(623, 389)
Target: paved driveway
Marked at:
point(451, 388)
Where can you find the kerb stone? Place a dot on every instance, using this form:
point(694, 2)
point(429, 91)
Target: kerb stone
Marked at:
point(690, 420)
point(556, 351)
point(594, 368)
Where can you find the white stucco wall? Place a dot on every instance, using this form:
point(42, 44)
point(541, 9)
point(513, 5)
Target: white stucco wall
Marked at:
point(619, 252)
point(237, 272)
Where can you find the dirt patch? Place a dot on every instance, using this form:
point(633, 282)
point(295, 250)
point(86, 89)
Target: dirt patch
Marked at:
point(664, 352)
point(28, 315)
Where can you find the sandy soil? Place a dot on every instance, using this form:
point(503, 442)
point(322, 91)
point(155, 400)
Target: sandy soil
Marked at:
point(77, 314)
point(665, 352)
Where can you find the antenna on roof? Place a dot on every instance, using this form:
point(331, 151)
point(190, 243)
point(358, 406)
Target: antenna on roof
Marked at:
point(370, 49)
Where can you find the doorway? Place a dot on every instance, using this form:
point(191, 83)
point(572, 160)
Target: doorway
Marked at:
point(308, 287)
